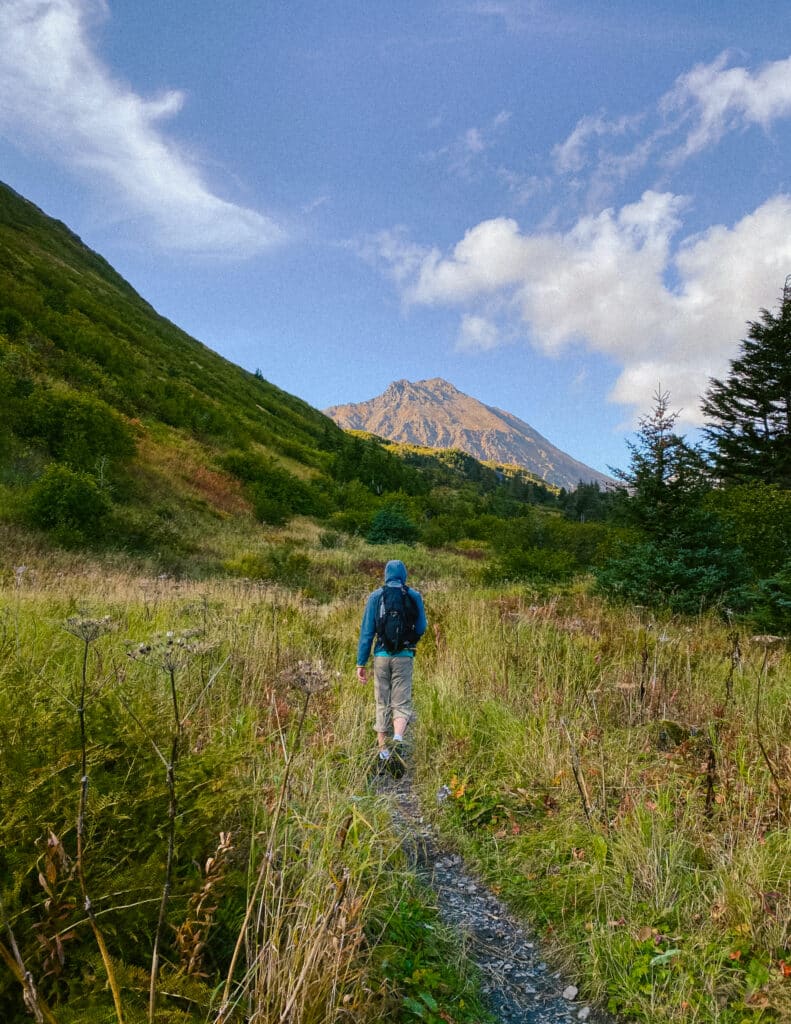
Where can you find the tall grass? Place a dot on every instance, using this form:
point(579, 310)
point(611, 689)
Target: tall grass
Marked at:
point(187, 829)
point(625, 782)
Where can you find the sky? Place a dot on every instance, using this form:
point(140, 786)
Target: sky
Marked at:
point(559, 207)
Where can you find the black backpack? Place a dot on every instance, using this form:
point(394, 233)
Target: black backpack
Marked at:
point(396, 618)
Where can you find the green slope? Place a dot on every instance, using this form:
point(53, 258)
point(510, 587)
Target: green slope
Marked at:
point(85, 325)
point(117, 428)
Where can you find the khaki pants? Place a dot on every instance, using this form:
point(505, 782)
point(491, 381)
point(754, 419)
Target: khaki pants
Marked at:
point(392, 690)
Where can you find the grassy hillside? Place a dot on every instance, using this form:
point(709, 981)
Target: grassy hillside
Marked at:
point(119, 430)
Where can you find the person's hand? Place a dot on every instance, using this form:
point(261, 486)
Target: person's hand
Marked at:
point(362, 675)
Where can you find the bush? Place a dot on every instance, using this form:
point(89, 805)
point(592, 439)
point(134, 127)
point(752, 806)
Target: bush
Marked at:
point(391, 524)
point(275, 493)
point(277, 564)
point(68, 503)
point(531, 563)
point(76, 429)
point(677, 574)
point(772, 602)
point(441, 530)
point(757, 518)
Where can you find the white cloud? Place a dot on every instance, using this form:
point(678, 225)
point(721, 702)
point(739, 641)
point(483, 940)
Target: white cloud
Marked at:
point(477, 334)
point(623, 282)
point(571, 155)
point(516, 14)
point(713, 99)
point(703, 106)
point(602, 284)
point(468, 149)
point(57, 96)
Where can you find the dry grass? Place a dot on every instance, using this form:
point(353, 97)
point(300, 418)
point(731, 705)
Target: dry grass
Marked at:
point(626, 781)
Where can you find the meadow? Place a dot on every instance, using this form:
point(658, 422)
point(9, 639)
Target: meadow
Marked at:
point(188, 831)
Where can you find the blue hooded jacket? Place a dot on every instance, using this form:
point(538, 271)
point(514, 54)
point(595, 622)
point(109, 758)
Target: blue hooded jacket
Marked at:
point(395, 576)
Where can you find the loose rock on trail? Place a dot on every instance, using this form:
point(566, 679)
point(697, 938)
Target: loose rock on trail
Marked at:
point(518, 986)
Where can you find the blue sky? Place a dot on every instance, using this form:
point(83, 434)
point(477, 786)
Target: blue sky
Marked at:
point(556, 206)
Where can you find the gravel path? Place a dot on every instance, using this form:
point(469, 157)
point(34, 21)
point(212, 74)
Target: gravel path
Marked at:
point(518, 986)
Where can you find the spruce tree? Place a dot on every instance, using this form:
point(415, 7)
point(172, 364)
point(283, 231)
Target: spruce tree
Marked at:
point(666, 476)
point(678, 557)
point(750, 410)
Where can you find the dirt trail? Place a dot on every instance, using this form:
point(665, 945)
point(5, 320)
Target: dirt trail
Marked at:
point(518, 985)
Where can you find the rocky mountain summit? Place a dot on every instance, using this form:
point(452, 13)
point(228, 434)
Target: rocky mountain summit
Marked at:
point(436, 414)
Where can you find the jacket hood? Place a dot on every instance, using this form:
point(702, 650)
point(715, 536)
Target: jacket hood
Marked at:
point(395, 570)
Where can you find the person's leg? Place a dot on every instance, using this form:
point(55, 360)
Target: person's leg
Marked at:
point(382, 695)
point(401, 695)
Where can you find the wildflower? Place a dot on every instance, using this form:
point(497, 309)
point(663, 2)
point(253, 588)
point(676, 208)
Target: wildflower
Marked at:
point(766, 640)
point(88, 630)
point(306, 676)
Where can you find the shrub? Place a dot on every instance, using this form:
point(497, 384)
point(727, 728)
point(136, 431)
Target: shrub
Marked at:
point(443, 529)
point(277, 564)
point(683, 573)
point(391, 524)
point(76, 429)
point(11, 323)
point(531, 563)
point(68, 503)
point(772, 601)
point(275, 493)
point(757, 518)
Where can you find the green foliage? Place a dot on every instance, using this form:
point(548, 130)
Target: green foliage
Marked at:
point(161, 529)
point(280, 564)
point(588, 503)
point(750, 411)
point(412, 952)
point(544, 546)
point(275, 493)
point(681, 558)
point(679, 870)
point(771, 601)
point(685, 572)
point(366, 459)
point(391, 524)
point(11, 323)
point(76, 429)
point(667, 477)
point(756, 517)
point(444, 529)
point(68, 503)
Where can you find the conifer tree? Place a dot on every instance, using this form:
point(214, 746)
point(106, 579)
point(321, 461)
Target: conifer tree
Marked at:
point(666, 476)
point(750, 410)
point(678, 557)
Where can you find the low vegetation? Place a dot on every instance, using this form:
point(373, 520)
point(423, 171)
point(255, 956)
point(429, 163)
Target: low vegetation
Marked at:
point(187, 830)
point(188, 833)
point(622, 778)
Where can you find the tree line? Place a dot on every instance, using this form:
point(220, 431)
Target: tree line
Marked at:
point(711, 521)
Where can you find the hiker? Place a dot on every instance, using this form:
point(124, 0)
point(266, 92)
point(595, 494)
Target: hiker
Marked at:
point(394, 615)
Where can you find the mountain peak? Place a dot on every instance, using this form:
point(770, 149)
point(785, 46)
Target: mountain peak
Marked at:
point(434, 413)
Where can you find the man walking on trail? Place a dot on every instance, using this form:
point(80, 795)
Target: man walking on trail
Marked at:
point(395, 618)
